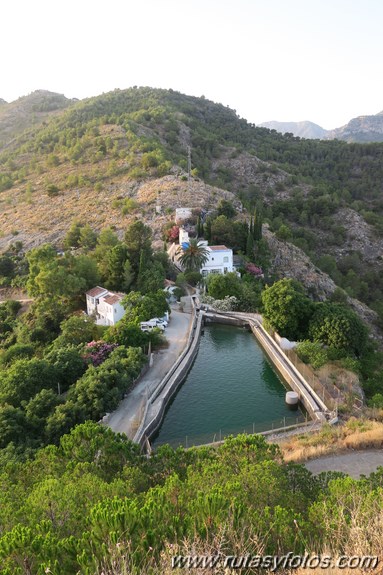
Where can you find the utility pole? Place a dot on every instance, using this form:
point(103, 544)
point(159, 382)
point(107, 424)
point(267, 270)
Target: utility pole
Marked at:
point(189, 162)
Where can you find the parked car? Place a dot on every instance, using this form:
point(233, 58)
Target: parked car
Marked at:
point(159, 321)
point(150, 325)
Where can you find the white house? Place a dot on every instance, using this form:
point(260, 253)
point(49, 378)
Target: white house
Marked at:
point(93, 299)
point(220, 261)
point(104, 305)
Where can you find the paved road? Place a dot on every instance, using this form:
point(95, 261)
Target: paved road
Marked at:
point(126, 418)
point(354, 464)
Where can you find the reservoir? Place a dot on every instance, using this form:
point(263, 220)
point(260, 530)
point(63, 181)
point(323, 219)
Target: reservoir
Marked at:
point(230, 389)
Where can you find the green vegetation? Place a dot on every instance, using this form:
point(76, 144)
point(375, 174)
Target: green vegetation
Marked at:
point(57, 368)
point(287, 309)
point(94, 502)
point(338, 327)
point(77, 498)
point(326, 331)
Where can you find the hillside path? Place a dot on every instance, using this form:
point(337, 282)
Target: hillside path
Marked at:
point(355, 464)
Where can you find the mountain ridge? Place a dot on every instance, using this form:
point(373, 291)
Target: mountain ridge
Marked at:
point(303, 129)
point(362, 129)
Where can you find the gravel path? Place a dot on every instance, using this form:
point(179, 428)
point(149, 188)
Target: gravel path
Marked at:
point(355, 464)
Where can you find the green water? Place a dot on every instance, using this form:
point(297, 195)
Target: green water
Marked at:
point(231, 388)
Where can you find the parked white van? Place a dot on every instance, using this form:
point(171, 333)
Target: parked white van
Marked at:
point(150, 325)
point(159, 321)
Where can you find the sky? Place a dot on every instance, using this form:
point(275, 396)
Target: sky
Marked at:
point(285, 60)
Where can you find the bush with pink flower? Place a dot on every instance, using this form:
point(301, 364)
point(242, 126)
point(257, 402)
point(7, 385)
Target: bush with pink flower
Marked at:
point(254, 270)
point(96, 352)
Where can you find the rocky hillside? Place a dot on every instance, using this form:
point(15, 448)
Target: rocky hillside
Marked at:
point(46, 219)
point(360, 129)
point(109, 159)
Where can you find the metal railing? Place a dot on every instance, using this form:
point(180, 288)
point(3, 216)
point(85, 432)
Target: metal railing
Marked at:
point(207, 438)
point(328, 392)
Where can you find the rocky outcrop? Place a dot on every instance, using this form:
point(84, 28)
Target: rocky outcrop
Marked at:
point(248, 171)
point(360, 129)
point(360, 237)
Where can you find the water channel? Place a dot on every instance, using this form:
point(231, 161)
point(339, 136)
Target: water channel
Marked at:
point(231, 388)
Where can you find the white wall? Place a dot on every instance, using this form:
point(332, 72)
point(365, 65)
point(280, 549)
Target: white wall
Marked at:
point(220, 261)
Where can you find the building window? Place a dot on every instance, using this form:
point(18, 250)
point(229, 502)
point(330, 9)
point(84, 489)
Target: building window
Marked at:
point(226, 259)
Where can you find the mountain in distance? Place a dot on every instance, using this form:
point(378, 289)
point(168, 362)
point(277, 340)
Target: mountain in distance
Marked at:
point(305, 129)
point(2, 101)
point(362, 129)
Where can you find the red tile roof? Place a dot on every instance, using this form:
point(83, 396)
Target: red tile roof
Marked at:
point(112, 298)
point(218, 248)
point(94, 292)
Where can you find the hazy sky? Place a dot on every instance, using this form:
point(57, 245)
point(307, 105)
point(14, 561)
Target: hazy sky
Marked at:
point(287, 60)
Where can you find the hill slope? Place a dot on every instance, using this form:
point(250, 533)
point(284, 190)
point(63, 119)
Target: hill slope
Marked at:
point(87, 159)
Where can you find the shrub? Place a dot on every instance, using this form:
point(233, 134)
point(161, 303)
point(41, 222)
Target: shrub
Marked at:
point(52, 190)
point(96, 352)
point(312, 353)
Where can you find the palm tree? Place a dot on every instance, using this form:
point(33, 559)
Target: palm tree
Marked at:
point(194, 256)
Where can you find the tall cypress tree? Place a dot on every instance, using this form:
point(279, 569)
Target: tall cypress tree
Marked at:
point(199, 227)
point(257, 226)
point(250, 245)
point(208, 230)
